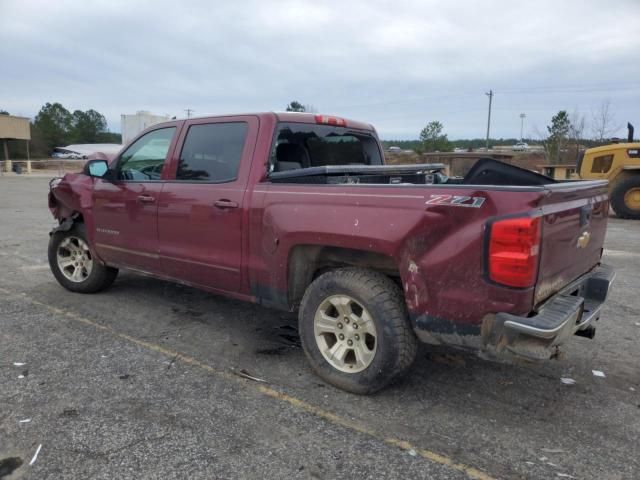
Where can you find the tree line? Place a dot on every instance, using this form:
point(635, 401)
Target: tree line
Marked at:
point(55, 126)
point(564, 138)
point(568, 134)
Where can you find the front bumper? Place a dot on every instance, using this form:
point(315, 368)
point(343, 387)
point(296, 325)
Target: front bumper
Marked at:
point(572, 310)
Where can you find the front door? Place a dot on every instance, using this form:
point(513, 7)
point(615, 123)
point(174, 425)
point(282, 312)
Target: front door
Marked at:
point(202, 203)
point(125, 210)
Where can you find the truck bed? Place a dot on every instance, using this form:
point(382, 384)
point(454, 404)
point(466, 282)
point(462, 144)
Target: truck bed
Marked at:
point(486, 171)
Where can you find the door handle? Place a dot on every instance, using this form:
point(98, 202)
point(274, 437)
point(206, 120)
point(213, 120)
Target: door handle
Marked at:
point(224, 203)
point(146, 199)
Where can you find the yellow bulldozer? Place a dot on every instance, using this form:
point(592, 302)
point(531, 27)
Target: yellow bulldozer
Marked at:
point(620, 164)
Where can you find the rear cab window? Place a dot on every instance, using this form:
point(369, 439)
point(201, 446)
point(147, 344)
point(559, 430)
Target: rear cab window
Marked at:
point(302, 145)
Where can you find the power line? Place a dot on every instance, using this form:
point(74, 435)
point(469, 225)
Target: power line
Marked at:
point(534, 90)
point(455, 96)
point(189, 112)
point(541, 90)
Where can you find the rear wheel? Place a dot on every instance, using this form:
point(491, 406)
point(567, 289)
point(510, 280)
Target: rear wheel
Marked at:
point(625, 198)
point(354, 329)
point(72, 262)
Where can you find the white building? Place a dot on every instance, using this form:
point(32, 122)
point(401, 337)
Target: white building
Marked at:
point(132, 125)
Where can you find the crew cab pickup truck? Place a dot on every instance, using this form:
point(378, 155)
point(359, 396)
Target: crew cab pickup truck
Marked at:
point(299, 212)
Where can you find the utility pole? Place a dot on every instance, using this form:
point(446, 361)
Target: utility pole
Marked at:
point(522, 117)
point(189, 112)
point(490, 95)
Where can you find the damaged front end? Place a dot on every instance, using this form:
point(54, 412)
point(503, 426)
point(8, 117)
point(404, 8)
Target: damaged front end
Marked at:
point(70, 196)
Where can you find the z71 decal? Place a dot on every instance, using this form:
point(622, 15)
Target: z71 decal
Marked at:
point(456, 201)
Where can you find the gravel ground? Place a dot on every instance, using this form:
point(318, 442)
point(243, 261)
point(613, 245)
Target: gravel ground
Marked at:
point(139, 382)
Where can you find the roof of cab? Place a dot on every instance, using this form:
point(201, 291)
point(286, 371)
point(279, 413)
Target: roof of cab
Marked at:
point(304, 117)
point(293, 117)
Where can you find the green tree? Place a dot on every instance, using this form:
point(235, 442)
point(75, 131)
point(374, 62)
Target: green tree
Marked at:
point(3, 112)
point(296, 106)
point(109, 137)
point(558, 132)
point(87, 127)
point(432, 138)
point(51, 127)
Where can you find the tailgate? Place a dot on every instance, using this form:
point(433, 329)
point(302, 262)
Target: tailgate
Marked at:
point(573, 229)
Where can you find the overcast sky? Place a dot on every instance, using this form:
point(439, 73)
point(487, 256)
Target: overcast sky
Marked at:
point(396, 64)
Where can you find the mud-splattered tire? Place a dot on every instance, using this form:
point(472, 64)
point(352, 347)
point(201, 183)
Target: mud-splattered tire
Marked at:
point(355, 331)
point(72, 263)
point(625, 198)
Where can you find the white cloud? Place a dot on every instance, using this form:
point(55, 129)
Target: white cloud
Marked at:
point(394, 64)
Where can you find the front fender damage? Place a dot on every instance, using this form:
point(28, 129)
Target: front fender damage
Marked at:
point(71, 202)
point(70, 197)
point(66, 224)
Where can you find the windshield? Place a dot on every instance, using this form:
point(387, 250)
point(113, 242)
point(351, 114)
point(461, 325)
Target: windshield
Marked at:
point(301, 145)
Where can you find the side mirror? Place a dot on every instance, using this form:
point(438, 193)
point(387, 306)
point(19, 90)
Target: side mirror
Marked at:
point(96, 168)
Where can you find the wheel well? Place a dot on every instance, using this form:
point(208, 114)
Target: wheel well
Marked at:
point(308, 262)
point(67, 223)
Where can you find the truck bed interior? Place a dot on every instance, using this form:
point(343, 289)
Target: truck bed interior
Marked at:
point(486, 171)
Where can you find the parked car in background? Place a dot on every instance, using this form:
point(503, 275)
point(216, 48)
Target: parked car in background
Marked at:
point(520, 147)
point(299, 212)
point(68, 155)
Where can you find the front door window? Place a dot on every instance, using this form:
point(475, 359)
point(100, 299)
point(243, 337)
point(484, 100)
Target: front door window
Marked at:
point(145, 158)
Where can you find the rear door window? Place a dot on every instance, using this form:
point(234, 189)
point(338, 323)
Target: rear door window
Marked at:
point(302, 145)
point(212, 152)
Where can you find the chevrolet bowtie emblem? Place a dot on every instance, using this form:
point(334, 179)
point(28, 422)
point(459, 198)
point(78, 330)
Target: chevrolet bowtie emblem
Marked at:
point(583, 240)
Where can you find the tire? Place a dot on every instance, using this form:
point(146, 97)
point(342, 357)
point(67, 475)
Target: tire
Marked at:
point(72, 262)
point(627, 190)
point(370, 305)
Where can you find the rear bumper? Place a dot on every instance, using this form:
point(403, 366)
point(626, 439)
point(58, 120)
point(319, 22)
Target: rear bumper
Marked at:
point(572, 310)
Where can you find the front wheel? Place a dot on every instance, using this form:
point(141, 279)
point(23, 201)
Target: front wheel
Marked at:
point(354, 329)
point(625, 198)
point(72, 262)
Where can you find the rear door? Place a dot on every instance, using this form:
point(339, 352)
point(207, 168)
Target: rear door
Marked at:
point(573, 231)
point(201, 207)
point(125, 210)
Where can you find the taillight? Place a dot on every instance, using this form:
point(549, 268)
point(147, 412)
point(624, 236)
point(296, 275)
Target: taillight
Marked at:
point(327, 120)
point(514, 246)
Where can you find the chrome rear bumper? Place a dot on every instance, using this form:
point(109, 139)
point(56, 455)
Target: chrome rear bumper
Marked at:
point(573, 309)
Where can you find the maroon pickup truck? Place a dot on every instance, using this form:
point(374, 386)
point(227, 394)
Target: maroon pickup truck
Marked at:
point(300, 212)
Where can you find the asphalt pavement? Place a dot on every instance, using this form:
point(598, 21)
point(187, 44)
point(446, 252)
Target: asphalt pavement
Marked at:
point(149, 380)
